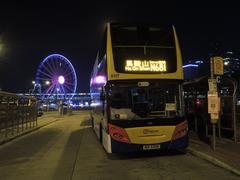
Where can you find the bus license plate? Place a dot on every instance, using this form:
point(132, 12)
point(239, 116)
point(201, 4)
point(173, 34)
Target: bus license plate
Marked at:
point(149, 147)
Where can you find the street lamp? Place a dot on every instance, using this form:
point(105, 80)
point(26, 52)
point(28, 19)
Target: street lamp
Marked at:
point(47, 82)
point(226, 63)
point(31, 90)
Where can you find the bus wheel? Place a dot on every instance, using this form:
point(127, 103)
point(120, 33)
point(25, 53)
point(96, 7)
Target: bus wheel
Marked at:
point(100, 133)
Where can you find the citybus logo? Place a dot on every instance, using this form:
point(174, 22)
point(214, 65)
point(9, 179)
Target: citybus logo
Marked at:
point(150, 131)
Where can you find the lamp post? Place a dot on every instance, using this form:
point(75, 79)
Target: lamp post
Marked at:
point(47, 83)
point(31, 90)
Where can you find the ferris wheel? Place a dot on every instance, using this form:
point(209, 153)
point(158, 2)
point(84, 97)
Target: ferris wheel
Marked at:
point(56, 76)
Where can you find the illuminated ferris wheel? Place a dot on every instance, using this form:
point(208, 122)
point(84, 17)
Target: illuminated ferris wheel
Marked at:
point(56, 76)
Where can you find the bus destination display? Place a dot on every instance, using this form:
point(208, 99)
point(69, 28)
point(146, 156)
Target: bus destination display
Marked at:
point(146, 65)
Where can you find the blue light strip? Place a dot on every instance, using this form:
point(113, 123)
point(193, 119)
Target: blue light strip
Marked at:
point(190, 65)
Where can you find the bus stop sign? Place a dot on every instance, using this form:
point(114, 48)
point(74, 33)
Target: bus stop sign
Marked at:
point(218, 65)
point(212, 85)
point(213, 106)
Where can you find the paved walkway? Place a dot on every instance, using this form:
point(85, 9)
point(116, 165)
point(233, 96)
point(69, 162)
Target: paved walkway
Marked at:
point(48, 118)
point(226, 154)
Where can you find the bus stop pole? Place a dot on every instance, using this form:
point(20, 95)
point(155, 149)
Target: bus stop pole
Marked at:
point(213, 124)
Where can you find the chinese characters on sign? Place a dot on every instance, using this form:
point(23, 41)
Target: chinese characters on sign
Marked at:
point(146, 65)
point(212, 84)
point(213, 106)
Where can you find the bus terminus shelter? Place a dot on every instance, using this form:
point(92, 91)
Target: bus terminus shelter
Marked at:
point(196, 106)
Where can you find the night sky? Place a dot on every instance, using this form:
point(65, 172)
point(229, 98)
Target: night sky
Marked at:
point(31, 31)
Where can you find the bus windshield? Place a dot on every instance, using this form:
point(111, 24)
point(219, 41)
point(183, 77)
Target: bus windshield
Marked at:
point(143, 43)
point(132, 102)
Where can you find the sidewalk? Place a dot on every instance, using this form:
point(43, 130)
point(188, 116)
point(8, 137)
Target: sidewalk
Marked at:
point(226, 154)
point(46, 119)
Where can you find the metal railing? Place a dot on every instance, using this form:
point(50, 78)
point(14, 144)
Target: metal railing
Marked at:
point(17, 114)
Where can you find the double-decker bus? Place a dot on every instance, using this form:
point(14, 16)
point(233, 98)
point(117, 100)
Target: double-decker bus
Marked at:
point(136, 89)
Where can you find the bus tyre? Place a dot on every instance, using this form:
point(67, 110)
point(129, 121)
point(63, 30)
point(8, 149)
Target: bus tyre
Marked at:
point(100, 133)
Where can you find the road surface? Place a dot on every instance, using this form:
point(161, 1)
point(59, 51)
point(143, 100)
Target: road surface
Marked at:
point(68, 149)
